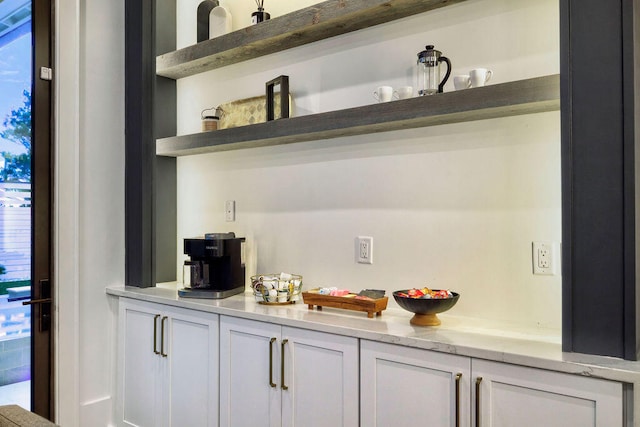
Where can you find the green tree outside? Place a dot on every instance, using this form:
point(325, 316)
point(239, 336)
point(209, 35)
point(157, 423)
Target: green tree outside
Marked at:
point(17, 167)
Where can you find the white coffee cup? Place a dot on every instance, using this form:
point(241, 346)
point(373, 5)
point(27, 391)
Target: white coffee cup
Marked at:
point(403, 92)
point(383, 94)
point(462, 81)
point(480, 76)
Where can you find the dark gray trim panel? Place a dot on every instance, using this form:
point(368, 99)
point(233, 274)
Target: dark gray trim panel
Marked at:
point(139, 143)
point(636, 70)
point(629, 42)
point(597, 179)
point(165, 125)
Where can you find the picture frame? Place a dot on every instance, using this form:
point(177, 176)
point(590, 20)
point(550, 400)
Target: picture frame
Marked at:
point(283, 82)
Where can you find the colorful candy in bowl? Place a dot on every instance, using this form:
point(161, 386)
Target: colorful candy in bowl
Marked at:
point(425, 304)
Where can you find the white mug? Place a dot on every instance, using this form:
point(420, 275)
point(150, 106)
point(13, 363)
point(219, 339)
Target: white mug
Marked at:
point(383, 94)
point(480, 76)
point(403, 92)
point(462, 82)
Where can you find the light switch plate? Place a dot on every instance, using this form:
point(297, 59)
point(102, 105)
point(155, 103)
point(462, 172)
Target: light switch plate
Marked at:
point(230, 210)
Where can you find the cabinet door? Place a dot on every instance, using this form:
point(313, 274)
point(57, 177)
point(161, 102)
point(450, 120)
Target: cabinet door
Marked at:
point(402, 386)
point(192, 368)
point(527, 397)
point(320, 382)
point(249, 373)
point(139, 368)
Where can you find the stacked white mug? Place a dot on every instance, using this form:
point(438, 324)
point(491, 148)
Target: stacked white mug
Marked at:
point(477, 77)
point(403, 92)
point(462, 81)
point(383, 94)
point(387, 93)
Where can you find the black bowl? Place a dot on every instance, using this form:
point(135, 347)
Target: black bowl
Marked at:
point(425, 309)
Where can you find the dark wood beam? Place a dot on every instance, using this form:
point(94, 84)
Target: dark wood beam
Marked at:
point(317, 22)
point(507, 99)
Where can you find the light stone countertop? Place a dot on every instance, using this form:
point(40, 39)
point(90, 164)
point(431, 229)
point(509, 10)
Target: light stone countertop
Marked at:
point(462, 336)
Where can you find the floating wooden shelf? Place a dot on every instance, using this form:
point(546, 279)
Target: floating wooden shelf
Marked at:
point(318, 22)
point(528, 96)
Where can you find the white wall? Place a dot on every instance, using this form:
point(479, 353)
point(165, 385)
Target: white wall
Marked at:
point(89, 204)
point(453, 206)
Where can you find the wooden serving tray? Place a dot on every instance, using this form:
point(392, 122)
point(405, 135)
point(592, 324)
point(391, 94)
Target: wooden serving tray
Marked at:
point(348, 303)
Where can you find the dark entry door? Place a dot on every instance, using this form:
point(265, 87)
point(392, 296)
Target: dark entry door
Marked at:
point(41, 209)
point(25, 204)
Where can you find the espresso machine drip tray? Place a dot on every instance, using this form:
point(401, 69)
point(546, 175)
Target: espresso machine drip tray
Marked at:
point(209, 293)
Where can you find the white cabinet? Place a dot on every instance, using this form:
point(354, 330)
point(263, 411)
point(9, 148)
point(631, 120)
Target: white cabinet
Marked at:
point(273, 375)
point(406, 387)
point(402, 386)
point(511, 395)
point(167, 366)
point(180, 367)
point(249, 394)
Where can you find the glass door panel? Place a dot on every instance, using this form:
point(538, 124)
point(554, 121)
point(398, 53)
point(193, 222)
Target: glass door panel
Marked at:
point(15, 201)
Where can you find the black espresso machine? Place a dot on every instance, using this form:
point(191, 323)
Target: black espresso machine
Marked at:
point(215, 269)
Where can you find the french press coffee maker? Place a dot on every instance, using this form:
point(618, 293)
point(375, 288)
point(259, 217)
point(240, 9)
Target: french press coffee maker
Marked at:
point(429, 82)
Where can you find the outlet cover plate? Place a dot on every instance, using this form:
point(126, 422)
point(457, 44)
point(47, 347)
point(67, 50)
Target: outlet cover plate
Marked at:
point(545, 259)
point(364, 249)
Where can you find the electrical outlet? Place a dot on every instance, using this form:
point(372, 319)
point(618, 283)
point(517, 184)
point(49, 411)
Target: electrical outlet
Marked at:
point(364, 250)
point(544, 258)
point(230, 210)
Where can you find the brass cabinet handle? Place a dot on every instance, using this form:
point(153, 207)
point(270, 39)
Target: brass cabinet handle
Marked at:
point(478, 381)
point(155, 333)
point(271, 383)
point(162, 353)
point(458, 376)
point(284, 387)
